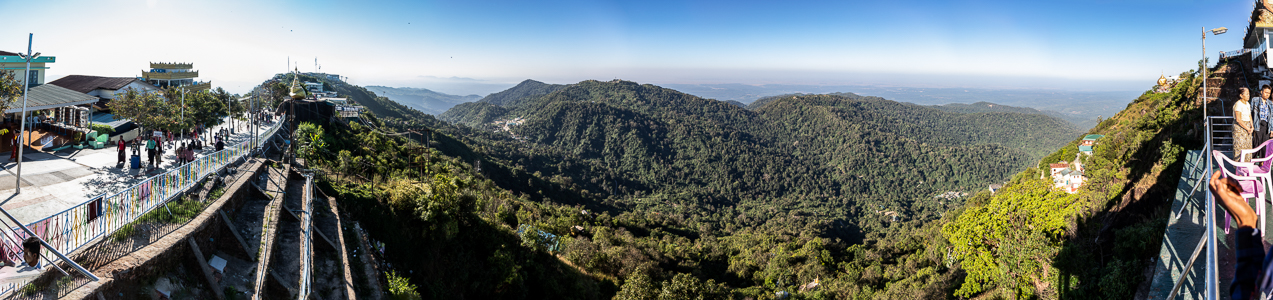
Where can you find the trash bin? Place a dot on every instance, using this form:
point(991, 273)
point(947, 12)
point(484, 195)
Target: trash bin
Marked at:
point(136, 161)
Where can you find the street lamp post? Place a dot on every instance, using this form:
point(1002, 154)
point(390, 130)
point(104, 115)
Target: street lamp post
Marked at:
point(1212, 278)
point(183, 111)
point(229, 110)
point(22, 130)
point(252, 117)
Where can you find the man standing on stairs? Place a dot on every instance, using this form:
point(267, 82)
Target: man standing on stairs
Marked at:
point(1242, 117)
point(1264, 113)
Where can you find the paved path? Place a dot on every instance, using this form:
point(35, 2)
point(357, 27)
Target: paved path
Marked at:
point(1183, 234)
point(55, 182)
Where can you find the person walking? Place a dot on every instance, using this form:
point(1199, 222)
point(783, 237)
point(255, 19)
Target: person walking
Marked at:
point(159, 154)
point(1242, 129)
point(189, 155)
point(13, 144)
point(150, 151)
point(122, 151)
point(220, 144)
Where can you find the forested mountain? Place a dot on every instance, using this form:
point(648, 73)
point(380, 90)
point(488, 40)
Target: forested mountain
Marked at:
point(424, 100)
point(1078, 107)
point(979, 107)
point(654, 193)
point(1080, 121)
point(525, 89)
point(842, 157)
point(492, 106)
point(991, 107)
point(474, 113)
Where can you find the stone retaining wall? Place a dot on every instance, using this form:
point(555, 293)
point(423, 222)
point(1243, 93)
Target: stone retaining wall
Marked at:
point(152, 261)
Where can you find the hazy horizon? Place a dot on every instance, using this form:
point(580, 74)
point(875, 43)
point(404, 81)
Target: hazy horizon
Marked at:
point(470, 86)
point(472, 48)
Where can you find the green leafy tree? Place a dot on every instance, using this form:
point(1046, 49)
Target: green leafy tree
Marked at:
point(311, 142)
point(638, 286)
point(206, 108)
point(10, 89)
point(277, 92)
point(1009, 241)
point(149, 110)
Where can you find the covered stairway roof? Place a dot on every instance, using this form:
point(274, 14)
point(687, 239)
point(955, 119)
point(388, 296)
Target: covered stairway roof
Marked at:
point(48, 96)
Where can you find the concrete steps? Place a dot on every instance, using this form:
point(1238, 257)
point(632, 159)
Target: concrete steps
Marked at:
point(269, 235)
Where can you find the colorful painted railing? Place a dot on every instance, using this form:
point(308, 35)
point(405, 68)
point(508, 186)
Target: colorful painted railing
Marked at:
point(73, 228)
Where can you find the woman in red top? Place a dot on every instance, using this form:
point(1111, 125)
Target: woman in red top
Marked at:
point(13, 144)
point(121, 150)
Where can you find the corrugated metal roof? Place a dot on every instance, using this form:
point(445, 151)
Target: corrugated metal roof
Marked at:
point(48, 96)
point(86, 83)
point(109, 120)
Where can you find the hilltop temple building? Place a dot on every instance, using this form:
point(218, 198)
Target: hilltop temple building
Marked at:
point(174, 75)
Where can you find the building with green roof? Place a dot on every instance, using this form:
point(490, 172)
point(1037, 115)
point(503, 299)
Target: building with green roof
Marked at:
point(1088, 141)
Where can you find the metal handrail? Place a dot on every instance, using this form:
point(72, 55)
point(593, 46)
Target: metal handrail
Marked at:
point(1227, 54)
point(1212, 278)
point(1208, 240)
point(307, 231)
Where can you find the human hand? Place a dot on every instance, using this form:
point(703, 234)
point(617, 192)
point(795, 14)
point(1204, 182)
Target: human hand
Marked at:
point(1229, 194)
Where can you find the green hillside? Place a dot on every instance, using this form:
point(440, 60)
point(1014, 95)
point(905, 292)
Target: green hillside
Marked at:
point(490, 107)
point(690, 196)
point(1030, 240)
point(642, 146)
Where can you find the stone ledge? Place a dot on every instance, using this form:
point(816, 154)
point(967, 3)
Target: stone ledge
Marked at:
point(171, 247)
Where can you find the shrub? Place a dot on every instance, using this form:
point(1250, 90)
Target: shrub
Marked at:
point(400, 288)
point(102, 128)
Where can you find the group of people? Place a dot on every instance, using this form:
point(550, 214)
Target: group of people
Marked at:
point(1253, 117)
point(1253, 273)
point(155, 147)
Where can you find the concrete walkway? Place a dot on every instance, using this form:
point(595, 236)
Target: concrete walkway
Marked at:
point(1183, 235)
point(54, 182)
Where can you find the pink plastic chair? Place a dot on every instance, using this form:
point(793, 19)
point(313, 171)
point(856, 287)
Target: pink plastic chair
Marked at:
point(1254, 179)
point(1265, 163)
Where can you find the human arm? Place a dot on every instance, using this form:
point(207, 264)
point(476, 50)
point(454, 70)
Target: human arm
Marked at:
point(1249, 251)
point(1237, 116)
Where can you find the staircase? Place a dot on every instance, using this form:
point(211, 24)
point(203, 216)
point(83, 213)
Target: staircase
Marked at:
point(1222, 92)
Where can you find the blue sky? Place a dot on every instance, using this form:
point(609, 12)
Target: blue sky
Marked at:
point(483, 46)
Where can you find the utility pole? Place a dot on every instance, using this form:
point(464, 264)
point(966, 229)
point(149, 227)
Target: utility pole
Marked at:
point(1212, 277)
point(183, 112)
point(22, 140)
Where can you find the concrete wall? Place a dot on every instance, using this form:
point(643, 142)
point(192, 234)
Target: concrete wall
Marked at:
point(173, 249)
